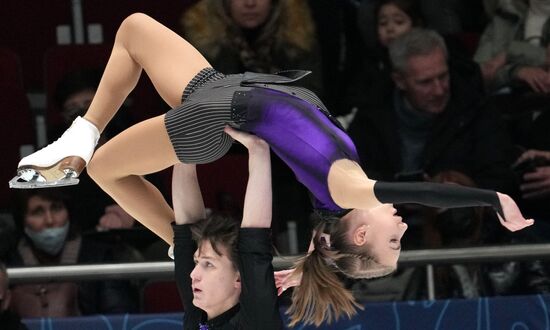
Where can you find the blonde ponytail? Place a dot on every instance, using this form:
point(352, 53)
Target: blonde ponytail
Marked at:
point(321, 296)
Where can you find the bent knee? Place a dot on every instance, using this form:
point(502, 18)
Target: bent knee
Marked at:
point(97, 167)
point(133, 23)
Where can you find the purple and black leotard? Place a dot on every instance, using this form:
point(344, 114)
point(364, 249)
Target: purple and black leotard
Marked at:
point(298, 128)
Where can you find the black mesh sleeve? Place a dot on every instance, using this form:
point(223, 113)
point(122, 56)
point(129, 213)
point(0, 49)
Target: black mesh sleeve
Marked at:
point(436, 195)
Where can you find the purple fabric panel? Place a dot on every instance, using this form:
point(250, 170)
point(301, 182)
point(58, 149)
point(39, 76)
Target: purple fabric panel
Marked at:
point(302, 136)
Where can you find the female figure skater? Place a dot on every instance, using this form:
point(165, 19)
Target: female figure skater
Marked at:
point(292, 120)
point(227, 283)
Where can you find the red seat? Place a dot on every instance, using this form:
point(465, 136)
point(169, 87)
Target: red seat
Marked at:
point(16, 122)
point(160, 296)
point(227, 176)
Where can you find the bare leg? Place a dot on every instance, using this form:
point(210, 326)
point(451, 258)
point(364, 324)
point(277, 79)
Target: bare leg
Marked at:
point(118, 166)
point(143, 43)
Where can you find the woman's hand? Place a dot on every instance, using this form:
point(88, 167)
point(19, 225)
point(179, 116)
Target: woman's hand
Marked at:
point(513, 219)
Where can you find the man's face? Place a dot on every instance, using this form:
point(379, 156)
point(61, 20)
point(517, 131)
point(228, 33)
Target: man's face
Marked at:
point(215, 281)
point(425, 82)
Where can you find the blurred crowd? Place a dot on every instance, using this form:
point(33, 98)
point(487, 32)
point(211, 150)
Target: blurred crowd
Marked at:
point(429, 90)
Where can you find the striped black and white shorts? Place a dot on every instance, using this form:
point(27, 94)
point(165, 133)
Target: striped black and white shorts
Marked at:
point(196, 126)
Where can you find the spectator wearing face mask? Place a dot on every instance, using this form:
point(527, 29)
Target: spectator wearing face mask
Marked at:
point(50, 237)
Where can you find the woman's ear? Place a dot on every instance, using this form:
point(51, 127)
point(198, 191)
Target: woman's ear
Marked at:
point(360, 235)
point(238, 281)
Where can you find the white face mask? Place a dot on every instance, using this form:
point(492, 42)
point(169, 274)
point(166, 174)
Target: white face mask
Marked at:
point(49, 240)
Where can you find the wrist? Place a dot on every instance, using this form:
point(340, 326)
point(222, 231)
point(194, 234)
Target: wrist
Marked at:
point(259, 148)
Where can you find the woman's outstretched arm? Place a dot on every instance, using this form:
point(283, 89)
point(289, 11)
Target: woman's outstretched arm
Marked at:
point(351, 188)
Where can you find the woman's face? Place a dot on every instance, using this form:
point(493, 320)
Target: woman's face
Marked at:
point(392, 22)
point(214, 280)
point(43, 213)
point(380, 229)
point(249, 14)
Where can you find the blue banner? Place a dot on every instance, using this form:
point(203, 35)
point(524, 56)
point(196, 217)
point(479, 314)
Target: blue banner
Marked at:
point(514, 313)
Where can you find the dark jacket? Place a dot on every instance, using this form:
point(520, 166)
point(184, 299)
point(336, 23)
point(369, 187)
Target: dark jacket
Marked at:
point(286, 41)
point(468, 136)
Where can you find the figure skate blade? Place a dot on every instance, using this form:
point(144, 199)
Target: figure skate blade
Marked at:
point(38, 182)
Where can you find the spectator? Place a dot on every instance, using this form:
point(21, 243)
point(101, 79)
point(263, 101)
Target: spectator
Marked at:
point(51, 238)
point(430, 120)
point(8, 319)
point(393, 18)
point(514, 47)
point(261, 36)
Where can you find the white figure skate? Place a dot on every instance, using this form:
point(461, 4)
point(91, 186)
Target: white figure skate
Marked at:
point(61, 162)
